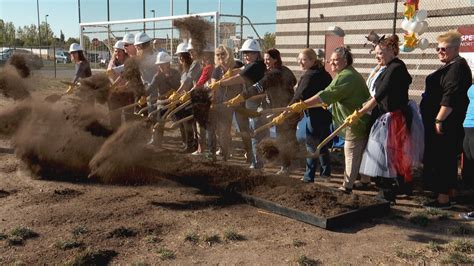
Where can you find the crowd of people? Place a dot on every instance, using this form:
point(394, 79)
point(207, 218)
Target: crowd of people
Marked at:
point(386, 134)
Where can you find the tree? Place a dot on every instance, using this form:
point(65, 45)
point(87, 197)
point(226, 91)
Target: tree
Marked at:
point(46, 29)
point(61, 36)
point(268, 41)
point(8, 34)
point(28, 35)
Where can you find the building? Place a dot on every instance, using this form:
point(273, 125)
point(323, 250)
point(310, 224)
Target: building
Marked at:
point(357, 18)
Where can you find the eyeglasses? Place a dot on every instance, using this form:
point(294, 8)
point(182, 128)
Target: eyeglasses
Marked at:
point(126, 45)
point(443, 49)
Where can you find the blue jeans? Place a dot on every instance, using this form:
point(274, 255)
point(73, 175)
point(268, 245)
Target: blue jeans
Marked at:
point(315, 133)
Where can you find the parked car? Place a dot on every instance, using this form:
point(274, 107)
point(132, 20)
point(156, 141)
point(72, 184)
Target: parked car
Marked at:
point(61, 57)
point(32, 61)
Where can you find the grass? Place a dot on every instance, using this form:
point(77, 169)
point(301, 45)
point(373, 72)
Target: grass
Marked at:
point(79, 230)
point(231, 235)
point(90, 257)
point(462, 245)
point(68, 244)
point(434, 246)
point(23, 233)
point(298, 243)
point(152, 239)
point(461, 230)
point(166, 254)
point(15, 241)
point(305, 261)
point(191, 237)
point(408, 254)
point(440, 214)
point(122, 232)
point(212, 239)
point(420, 219)
point(455, 257)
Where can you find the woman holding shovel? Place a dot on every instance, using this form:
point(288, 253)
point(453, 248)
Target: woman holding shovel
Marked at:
point(345, 93)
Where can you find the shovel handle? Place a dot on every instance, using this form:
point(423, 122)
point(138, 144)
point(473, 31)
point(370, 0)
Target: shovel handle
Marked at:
point(332, 135)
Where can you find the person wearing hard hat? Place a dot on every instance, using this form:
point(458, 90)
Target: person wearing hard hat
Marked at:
point(194, 71)
point(129, 40)
point(253, 71)
point(118, 96)
point(147, 57)
point(157, 47)
point(187, 132)
point(165, 81)
point(81, 65)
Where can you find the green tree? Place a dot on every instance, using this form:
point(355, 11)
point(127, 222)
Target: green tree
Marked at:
point(46, 30)
point(268, 41)
point(28, 35)
point(8, 34)
point(61, 37)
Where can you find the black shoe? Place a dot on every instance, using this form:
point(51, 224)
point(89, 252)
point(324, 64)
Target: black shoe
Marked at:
point(345, 190)
point(436, 205)
point(306, 180)
point(361, 186)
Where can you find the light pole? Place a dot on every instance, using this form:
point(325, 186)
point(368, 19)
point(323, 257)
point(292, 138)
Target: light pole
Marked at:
point(39, 30)
point(153, 11)
point(46, 26)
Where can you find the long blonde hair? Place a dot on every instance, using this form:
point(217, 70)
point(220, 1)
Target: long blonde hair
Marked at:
point(229, 58)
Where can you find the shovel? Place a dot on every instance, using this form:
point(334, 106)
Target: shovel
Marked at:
point(326, 140)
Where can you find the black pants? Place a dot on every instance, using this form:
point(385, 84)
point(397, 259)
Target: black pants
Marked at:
point(440, 162)
point(468, 166)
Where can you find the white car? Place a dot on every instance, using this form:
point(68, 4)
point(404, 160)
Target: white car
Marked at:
point(61, 58)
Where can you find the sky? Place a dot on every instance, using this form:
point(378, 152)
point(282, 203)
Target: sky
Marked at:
point(63, 14)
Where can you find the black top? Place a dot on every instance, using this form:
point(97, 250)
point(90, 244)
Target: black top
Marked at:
point(83, 70)
point(391, 88)
point(253, 72)
point(162, 84)
point(311, 82)
point(278, 84)
point(448, 87)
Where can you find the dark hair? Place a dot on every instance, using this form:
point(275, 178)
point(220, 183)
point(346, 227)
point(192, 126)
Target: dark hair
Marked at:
point(80, 55)
point(275, 54)
point(390, 42)
point(187, 62)
point(345, 53)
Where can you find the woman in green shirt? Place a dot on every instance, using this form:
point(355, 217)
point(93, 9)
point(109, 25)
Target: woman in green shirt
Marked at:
point(346, 93)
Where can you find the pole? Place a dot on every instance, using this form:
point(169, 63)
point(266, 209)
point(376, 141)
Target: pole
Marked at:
point(47, 45)
point(79, 10)
point(108, 10)
point(187, 7)
point(171, 14)
point(39, 30)
point(241, 22)
point(153, 11)
point(308, 24)
point(144, 16)
point(395, 7)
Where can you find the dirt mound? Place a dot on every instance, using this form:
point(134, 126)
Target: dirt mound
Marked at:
point(12, 85)
point(98, 86)
point(124, 157)
point(268, 149)
point(19, 62)
point(12, 116)
point(313, 198)
point(56, 142)
point(196, 28)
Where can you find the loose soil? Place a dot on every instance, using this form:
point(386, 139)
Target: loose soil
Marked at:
point(85, 221)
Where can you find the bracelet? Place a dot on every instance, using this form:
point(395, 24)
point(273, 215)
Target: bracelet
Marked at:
point(437, 121)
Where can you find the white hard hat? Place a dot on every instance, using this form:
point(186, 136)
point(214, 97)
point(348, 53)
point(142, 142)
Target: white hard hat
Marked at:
point(75, 47)
point(182, 48)
point(141, 38)
point(120, 45)
point(162, 57)
point(129, 38)
point(251, 45)
point(190, 44)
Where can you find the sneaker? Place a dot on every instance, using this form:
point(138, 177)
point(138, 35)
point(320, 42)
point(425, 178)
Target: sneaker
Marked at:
point(198, 152)
point(256, 166)
point(284, 171)
point(436, 205)
point(306, 180)
point(345, 190)
point(467, 216)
